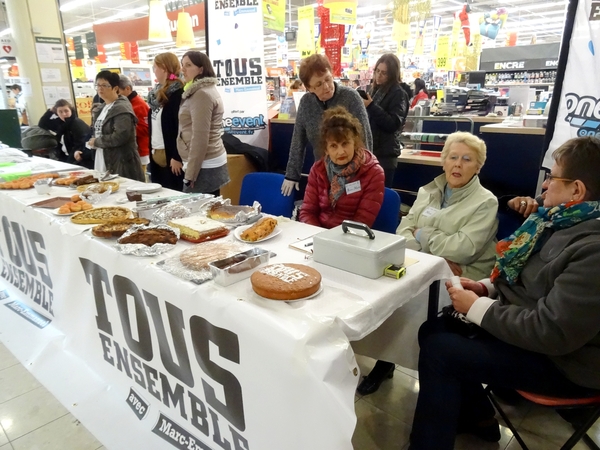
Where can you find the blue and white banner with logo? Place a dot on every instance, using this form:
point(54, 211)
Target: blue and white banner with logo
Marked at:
point(236, 49)
point(579, 99)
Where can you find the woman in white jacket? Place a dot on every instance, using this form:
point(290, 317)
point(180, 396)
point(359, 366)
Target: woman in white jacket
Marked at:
point(453, 217)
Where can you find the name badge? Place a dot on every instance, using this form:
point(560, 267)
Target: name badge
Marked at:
point(429, 211)
point(351, 188)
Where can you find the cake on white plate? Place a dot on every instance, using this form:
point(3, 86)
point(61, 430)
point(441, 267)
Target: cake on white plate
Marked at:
point(199, 228)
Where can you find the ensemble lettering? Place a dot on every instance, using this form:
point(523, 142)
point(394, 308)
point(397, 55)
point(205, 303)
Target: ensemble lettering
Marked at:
point(25, 264)
point(139, 349)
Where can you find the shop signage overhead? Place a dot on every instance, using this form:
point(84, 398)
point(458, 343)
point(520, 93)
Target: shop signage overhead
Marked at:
point(578, 111)
point(236, 49)
point(523, 57)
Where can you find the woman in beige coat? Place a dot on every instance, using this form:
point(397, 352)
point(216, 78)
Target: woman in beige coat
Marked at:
point(200, 127)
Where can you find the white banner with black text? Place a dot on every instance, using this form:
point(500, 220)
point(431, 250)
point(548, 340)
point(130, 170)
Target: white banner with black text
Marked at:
point(148, 361)
point(236, 49)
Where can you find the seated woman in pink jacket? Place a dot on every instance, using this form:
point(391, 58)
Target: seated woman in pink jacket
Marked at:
point(348, 182)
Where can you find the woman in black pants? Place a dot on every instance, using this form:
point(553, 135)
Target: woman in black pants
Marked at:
point(387, 106)
point(166, 167)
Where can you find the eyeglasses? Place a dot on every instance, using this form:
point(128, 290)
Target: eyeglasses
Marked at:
point(550, 177)
point(98, 86)
point(320, 84)
point(383, 73)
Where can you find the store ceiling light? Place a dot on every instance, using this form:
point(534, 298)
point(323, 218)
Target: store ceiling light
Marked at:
point(74, 4)
point(124, 15)
point(185, 31)
point(88, 25)
point(5, 32)
point(159, 29)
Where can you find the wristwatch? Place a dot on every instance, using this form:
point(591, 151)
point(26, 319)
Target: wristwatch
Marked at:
point(186, 182)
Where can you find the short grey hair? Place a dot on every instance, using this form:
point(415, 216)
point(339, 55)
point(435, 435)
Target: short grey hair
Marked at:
point(125, 82)
point(471, 141)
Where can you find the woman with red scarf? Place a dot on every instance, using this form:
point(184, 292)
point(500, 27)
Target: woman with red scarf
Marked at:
point(348, 182)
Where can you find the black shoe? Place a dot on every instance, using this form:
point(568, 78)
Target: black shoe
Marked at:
point(489, 432)
point(382, 371)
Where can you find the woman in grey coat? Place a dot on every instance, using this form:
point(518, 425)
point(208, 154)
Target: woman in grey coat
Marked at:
point(114, 131)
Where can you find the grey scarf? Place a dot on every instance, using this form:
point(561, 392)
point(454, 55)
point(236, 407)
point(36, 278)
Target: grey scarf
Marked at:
point(153, 101)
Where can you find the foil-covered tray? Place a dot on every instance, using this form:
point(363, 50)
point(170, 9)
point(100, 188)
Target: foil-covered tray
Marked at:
point(238, 267)
point(194, 202)
point(222, 210)
point(193, 264)
point(169, 212)
point(142, 249)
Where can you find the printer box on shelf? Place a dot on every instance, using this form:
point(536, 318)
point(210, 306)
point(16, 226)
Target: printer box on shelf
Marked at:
point(365, 253)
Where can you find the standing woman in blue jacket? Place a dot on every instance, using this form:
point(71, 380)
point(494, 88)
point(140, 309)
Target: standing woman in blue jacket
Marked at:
point(166, 167)
point(387, 106)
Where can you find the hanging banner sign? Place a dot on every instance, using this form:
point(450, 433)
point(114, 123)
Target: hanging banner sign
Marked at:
point(281, 51)
point(125, 48)
point(236, 49)
point(342, 13)
point(274, 14)
point(579, 99)
point(78, 47)
point(443, 53)
point(437, 21)
point(305, 42)
point(419, 44)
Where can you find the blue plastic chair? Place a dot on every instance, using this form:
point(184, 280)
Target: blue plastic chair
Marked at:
point(265, 188)
point(388, 218)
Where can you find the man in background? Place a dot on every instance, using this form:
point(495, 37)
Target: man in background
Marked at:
point(141, 109)
point(17, 93)
point(356, 84)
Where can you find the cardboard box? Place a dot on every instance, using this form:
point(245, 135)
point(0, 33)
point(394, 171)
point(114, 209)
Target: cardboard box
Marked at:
point(238, 166)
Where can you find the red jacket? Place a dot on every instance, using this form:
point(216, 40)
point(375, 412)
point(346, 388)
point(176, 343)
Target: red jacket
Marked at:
point(141, 108)
point(362, 206)
point(420, 96)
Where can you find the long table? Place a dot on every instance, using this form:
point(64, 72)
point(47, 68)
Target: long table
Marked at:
point(146, 360)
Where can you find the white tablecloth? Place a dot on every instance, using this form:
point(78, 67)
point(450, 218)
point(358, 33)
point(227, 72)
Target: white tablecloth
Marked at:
point(214, 363)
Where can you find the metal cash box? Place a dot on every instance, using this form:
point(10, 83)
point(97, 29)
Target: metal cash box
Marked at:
point(366, 254)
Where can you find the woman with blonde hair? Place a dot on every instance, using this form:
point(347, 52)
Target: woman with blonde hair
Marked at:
point(164, 101)
point(453, 217)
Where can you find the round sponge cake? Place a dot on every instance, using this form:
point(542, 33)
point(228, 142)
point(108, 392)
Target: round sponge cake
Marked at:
point(286, 281)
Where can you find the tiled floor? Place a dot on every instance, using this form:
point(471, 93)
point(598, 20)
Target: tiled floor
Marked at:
point(385, 418)
point(32, 419)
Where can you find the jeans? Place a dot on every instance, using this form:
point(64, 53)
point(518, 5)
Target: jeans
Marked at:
point(451, 370)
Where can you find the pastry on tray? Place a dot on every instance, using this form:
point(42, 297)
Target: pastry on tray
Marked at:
point(149, 237)
point(286, 281)
point(199, 229)
point(102, 215)
point(198, 257)
point(260, 230)
point(117, 229)
point(220, 211)
point(99, 188)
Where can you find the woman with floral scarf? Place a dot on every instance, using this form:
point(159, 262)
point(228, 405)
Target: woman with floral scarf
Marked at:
point(348, 182)
point(164, 101)
point(537, 318)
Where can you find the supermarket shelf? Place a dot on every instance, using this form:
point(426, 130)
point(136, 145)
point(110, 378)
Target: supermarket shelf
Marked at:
point(519, 84)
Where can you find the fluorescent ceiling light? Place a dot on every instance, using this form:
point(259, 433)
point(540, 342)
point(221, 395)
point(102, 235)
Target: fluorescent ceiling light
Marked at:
point(5, 32)
point(74, 4)
point(122, 15)
point(79, 27)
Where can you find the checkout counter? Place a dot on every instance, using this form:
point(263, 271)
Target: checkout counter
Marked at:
point(514, 156)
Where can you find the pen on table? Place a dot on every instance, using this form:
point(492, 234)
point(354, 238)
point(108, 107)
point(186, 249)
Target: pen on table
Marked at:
point(308, 245)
